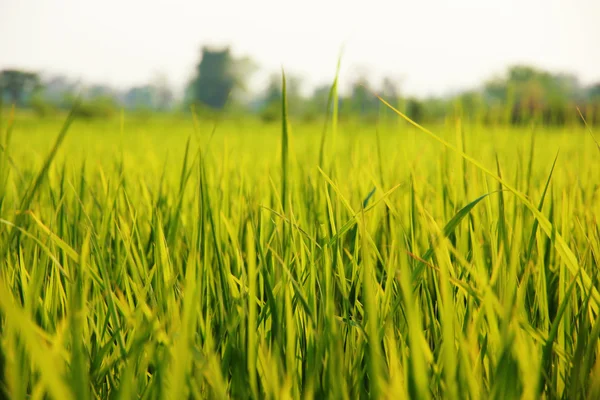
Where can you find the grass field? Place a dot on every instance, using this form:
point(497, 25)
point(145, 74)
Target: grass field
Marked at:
point(170, 257)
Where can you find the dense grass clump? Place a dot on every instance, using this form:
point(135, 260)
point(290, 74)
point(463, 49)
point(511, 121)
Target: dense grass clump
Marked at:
point(172, 258)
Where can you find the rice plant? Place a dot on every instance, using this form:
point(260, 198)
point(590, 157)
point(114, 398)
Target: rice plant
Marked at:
point(175, 258)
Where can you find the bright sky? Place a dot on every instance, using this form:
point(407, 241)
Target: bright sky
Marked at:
point(430, 46)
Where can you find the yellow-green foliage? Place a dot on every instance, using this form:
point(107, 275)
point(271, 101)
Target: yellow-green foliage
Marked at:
point(154, 259)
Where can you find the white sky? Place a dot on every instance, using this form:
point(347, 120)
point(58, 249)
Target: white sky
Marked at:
point(431, 46)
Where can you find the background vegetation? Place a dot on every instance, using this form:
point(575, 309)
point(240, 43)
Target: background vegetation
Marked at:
point(521, 95)
point(260, 251)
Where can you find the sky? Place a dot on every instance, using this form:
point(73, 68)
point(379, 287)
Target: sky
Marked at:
point(428, 47)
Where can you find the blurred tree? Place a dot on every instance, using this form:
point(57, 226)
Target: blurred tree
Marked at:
point(316, 105)
point(363, 102)
point(273, 90)
point(431, 109)
point(495, 91)
point(270, 104)
point(141, 97)
point(16, 85)
point(591, 108)
point(415, 109)
point(469, 105)
point(57, 89)
point(156, 96)
point(217, 75)
point(163, 95)
point(95, 91)
point(527, 93)
point(270, 108)
point(320, 98)
point(390, 90)
point(215, 80)
point(102, 106)
point(41, 106)
point(593, 92)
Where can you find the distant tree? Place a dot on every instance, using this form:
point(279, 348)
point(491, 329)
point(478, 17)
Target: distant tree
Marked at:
point(57, 89)
point(98, 90)
point(363, 102)
point(593, 92)
point(469, 104)
point(17, 84)
point(141, 97)
point(96, 101)
point(162, 92)
point(390, 90)
point(591, 108)
point(272, 93)
point(320, 97)
point(214, 81)
point(415, 109)
point(316, 105)
point(495, 91)
point(103, 106)
point(154, 96)
point(218, 74)
point(271, 100)
point(526, 93)
point(429, 109)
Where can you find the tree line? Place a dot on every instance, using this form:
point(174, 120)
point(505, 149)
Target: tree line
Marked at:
point(521, 95)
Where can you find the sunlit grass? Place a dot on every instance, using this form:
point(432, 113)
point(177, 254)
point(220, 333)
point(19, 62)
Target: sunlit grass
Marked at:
point(169, 258)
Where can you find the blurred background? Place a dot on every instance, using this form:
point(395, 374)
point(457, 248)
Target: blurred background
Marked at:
point(494, 61)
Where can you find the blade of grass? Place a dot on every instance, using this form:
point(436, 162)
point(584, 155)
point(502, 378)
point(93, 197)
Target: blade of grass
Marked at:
point(557, 241)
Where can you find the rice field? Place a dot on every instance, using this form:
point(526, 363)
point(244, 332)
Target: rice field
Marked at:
point(179, 257)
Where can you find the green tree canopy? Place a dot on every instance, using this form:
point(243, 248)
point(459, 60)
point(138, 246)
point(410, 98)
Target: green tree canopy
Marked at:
point(217, 75)
point(16, 85)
